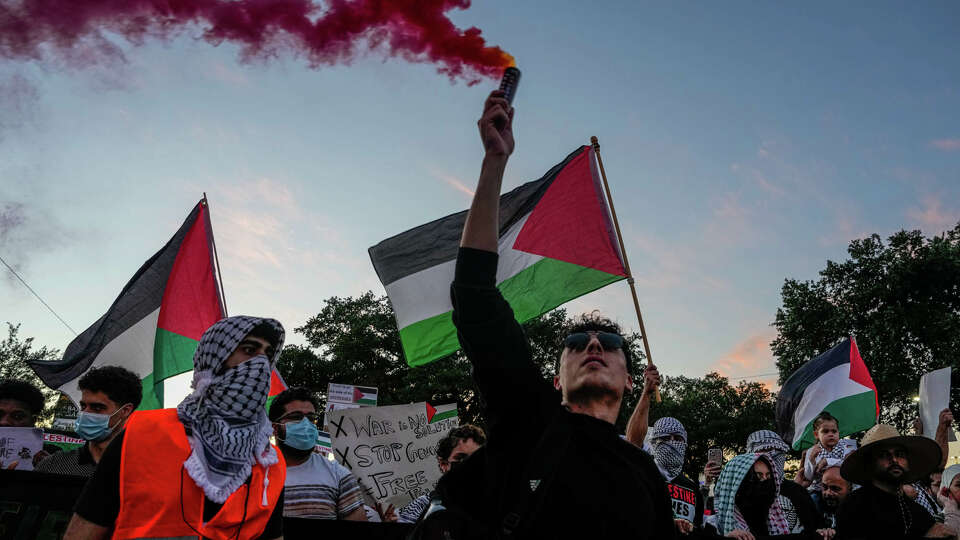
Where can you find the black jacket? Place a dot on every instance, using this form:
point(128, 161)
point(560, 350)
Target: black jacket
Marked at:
point(566, 475)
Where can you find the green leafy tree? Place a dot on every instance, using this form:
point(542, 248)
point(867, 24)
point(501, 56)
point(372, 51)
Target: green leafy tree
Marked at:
point(354, 340)
point(714, 413)
point(15, 352)
point(900, 299)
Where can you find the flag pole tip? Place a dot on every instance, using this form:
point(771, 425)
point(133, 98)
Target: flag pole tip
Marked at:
point(594, 140)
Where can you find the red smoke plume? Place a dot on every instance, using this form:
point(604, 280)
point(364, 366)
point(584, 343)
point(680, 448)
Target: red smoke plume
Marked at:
point(326, 34)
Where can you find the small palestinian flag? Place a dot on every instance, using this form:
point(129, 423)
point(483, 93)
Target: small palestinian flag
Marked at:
point(440, 412)
point(153, 327)
point(365, 396)
point(557, 242)
point(838, 382)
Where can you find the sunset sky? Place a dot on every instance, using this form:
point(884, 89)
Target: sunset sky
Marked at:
point(745, 143)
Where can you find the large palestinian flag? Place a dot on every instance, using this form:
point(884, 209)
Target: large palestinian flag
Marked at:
point(153, 327)
point(557, 242)
point(838, 382)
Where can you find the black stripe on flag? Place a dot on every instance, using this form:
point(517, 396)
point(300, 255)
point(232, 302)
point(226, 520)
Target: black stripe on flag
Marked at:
point(141, 296)
point(438, 241)
point(792, 391)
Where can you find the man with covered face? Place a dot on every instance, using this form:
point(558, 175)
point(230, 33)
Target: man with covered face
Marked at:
point(205, 469)
point(668, 445)
point(797, 505)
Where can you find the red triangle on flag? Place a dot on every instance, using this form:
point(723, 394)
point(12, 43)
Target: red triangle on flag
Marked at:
point(357, 394)
point(430, 412)
point(571, 222)
point(277, 384)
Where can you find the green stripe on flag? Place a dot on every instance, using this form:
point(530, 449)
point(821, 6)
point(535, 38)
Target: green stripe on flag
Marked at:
point(172, 354)
point(538, 289)
point(150, 399)
point(443, 415)
point(365, 401)
point(855, 413)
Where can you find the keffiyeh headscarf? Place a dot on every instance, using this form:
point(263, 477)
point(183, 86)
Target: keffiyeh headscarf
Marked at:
point(668, 455)
point(225, 416)
point(729, 516)
point(770, 443)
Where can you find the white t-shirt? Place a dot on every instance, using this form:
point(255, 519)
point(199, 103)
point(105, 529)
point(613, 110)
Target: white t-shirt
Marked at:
point(320, 489)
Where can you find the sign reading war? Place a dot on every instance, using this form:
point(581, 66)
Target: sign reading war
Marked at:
point(393, 450)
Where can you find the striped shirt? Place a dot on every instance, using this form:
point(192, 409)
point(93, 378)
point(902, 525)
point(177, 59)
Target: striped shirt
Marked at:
point(320, 489)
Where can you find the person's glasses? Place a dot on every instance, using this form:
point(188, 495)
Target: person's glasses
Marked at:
point(579, 341)
point(296, 416)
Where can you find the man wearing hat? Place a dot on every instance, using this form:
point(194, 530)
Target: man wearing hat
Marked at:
point(886, 461)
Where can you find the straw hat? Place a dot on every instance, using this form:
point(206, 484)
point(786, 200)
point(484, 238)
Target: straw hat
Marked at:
point(923, 454)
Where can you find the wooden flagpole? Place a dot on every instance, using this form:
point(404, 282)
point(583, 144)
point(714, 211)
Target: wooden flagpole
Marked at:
point(213, 240)
point(633, 289)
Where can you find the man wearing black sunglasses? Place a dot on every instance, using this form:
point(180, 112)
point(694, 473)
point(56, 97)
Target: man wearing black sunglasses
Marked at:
point(554, 465)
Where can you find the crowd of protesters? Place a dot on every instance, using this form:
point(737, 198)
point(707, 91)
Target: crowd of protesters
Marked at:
point(208, 468)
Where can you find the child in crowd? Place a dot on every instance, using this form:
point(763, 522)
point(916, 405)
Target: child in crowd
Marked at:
point(826, 430)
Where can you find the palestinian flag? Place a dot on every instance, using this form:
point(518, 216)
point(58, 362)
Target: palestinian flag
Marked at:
point(557, 242)
point(365, 396)
point(838, 382)
point(153, 327)
point(440, 412)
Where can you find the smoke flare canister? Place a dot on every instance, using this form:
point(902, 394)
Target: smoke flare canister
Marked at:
point(509, 83)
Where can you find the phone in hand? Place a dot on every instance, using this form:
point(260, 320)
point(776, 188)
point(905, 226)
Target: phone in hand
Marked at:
point(715, 455)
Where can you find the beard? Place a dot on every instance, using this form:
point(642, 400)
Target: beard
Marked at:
point(294, 453)
point(589, 392)
point(893, 474)
point(832, 503)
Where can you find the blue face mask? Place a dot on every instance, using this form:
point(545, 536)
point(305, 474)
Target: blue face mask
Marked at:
point(92, 426)
point(301, 435)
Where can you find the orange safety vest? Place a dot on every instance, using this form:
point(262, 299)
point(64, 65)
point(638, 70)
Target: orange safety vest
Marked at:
point(158, 499)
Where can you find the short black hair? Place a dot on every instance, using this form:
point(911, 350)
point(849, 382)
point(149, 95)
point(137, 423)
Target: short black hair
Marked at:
point(463, 433)
point(594, 322)
point(297, 393)
point(24, 392)
point(121, 385)
point(824, 417)
point(268, 332)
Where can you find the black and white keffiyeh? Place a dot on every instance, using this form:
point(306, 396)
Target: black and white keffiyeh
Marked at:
point(770, 443)
point(668, 454)
point(225, 416)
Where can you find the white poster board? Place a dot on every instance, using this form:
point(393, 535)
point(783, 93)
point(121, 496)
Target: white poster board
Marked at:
point(934, 397)
point(19, 444)
point(392, 450)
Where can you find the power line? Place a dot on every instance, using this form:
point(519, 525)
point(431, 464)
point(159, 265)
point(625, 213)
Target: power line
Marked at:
point(14, 272)
point(754, 376)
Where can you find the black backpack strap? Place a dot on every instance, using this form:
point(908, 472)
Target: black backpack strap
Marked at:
point(542, 468)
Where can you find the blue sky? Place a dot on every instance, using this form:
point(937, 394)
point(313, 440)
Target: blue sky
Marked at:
point(745, 143)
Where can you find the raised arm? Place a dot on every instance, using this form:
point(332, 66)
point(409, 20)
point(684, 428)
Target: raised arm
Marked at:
point(640, 419)
point(942, 436)
point(496, 131)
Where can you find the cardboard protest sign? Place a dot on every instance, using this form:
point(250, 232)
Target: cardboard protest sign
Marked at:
point(393, 450)
point(19, 444)
point(934, 397)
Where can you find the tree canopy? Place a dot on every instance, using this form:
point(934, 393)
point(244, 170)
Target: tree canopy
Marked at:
point(354, 340)
point(899, 299)
point(15, 352)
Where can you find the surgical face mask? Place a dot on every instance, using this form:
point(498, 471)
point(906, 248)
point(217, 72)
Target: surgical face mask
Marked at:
point(301, 435)
point(94, 427)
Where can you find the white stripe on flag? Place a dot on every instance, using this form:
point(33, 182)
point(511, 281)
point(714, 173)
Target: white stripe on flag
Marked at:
point(829, 387)
point(426, 293)
point(133, 350)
